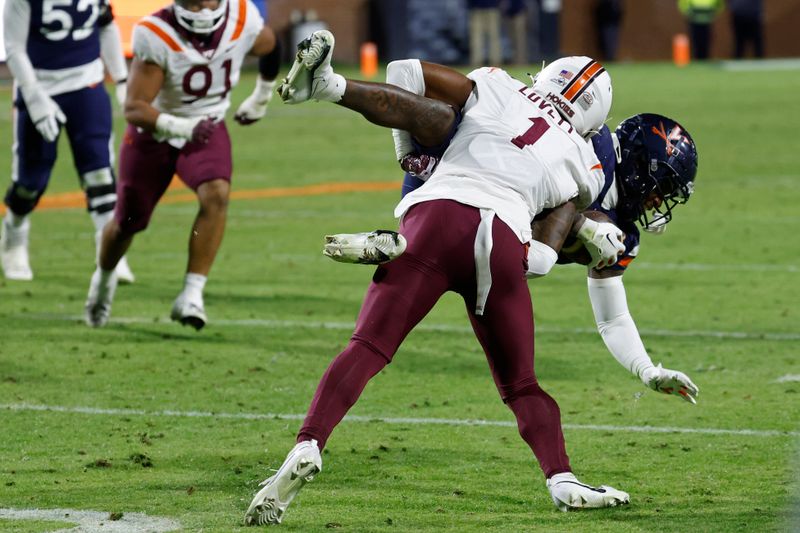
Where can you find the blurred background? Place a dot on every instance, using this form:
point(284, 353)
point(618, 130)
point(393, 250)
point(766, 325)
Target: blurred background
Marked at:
point(481, 32)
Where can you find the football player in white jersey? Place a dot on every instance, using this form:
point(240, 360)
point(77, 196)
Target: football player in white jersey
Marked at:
point(512, 158)
point(187, 58)
point(632, 189)
point(56, 53)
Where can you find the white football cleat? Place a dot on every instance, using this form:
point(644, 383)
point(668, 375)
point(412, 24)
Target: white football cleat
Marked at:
point(569, 493)
point(124, 273)
point(189, 311)
point(14, 251)
point(311, 75)
point(373, 248)
point(100, 298)
point(301, 465)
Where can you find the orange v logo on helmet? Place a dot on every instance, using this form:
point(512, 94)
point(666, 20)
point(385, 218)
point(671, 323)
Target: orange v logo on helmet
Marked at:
point(674, 135)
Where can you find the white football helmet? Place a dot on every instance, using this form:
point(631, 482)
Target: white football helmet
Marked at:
point(580, 88)
point(200, 22)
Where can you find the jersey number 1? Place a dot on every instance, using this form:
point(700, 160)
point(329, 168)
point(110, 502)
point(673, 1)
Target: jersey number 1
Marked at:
point(539, 127)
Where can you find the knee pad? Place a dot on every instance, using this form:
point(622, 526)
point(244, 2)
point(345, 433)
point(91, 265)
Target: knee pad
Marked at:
point(22, 200)
point(100, 188)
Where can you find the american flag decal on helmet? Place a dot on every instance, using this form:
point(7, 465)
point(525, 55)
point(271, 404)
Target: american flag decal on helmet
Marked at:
point(582, 80)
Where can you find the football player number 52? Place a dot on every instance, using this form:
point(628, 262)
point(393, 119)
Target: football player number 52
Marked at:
point(54, 13)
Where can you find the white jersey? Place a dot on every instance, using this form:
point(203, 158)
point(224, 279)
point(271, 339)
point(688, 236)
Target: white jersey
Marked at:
point(197, 83)
point(513, 154)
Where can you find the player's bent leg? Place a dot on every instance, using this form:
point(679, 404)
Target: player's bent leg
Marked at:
point(570, 494)
point(269, 504)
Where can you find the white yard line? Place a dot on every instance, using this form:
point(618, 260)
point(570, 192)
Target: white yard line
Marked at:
point(788, 378)
point(348, 326)
point(389, 420)
point(94, 521)
point(709, 267)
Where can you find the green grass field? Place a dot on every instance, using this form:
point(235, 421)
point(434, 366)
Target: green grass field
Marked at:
point(144, 416)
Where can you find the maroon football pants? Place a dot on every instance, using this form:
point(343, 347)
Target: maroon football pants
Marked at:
point(440, 258)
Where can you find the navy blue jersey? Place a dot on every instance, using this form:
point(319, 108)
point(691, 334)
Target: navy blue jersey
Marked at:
point(64, 33)
point(411, 182)
point(603, 146)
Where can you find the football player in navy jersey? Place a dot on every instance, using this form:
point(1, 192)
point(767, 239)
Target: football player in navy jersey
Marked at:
point(650, 163)
point(56, 52)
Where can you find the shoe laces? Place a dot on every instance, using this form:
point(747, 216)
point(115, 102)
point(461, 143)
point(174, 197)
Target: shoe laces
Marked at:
point(379, 247)
point(314, 52)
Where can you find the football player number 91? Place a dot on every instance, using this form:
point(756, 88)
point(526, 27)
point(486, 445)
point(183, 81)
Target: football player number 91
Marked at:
point(51, 14)
point(206, 74)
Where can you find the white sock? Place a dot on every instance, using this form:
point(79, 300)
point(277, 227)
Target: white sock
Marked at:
point(105, 275)
point(14, 220)
point(101, 219)
point(194, 284)
point(335, 89)
point(563, 476)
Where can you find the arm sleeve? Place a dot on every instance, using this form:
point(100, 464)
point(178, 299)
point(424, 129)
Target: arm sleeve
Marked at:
point(111, 52)
point(406, 74)
point(615, 324)
point(16, 20)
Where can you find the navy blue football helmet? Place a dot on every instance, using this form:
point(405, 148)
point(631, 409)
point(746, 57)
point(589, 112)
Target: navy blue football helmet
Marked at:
point(659, 158)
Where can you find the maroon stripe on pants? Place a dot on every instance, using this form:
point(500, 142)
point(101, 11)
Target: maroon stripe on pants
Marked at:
point(440, 258)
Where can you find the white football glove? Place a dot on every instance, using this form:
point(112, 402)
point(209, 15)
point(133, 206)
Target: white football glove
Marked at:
point(670, 382)
point(44, 112)
point(121, 92)
point(254, 106)
point(603, 240)
point(194, 129)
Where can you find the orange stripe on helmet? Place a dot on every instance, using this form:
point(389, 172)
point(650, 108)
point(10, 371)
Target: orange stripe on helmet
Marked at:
point(581, 81)
point(241, 20)
point(164, 36)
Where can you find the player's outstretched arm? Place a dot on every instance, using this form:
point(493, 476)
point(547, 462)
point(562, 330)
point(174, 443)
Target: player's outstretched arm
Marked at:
point(44, 112)
point(254, 107)
point(619, 332)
